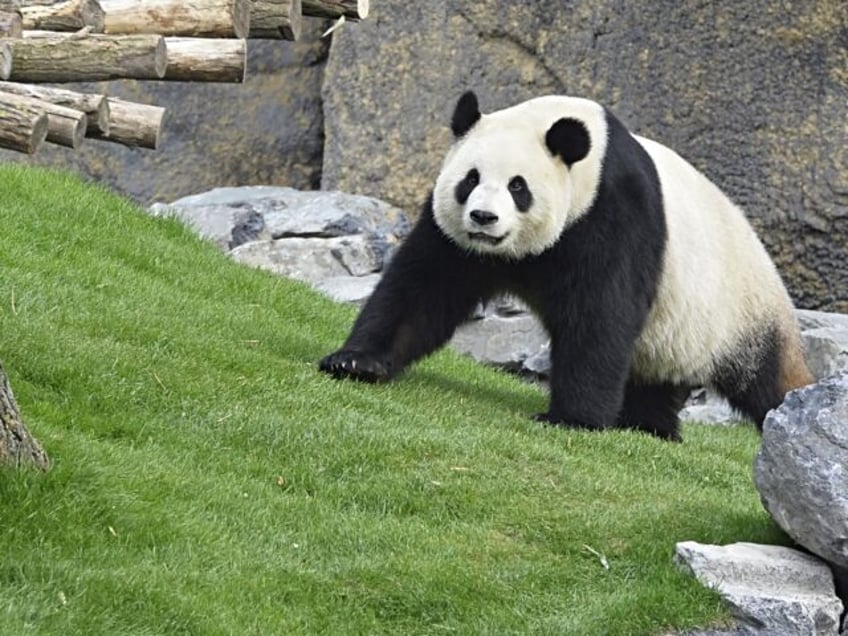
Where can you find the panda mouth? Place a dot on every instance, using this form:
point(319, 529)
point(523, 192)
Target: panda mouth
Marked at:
point(482, 237)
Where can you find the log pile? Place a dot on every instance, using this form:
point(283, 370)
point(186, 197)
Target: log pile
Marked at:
point(57, 41)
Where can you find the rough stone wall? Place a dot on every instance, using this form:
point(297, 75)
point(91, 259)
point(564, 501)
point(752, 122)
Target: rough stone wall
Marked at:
point(755, 94)
point(267, 130)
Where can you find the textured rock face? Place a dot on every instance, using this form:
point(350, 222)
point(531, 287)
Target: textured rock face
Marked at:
point(801, 470)
point(755, 94)
point(770, 589)
point(338, 240)
point(825, 337)
point(267, 130)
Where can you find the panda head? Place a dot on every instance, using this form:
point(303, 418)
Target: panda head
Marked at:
point(516, 178)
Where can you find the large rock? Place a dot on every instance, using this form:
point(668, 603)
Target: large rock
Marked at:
point(770, 590)
point(801, 470)
point(825, 337)
point(233, 216)
point(754, 94)
point(267, 130)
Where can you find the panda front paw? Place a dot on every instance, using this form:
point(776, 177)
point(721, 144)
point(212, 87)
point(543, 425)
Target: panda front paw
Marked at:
point(355, 365)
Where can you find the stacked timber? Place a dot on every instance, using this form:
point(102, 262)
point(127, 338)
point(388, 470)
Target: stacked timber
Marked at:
point(57, 41)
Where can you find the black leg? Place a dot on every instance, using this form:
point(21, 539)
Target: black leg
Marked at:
point(428, 289)
point(749, 377)
point(653, 408)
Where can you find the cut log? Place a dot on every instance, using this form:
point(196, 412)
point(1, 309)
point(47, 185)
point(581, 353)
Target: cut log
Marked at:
point(95, 106)
point(276, 19)
point(11, 25)
point(351, 9)
point(132, 124)
point(17, 446)
point(190, 18)
point(65, 15)
point(5, 60)
point(23, 123)
point(206, 60)
point(55, 57)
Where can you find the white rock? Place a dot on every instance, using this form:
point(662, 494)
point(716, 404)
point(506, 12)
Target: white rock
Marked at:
point(769, 589)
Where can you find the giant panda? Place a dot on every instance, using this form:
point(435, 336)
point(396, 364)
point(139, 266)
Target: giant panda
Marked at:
point(647, 278)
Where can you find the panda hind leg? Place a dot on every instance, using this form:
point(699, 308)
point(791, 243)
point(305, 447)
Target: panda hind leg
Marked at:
point(653, 408)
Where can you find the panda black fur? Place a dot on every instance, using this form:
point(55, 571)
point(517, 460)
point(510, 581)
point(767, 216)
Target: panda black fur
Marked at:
point(648, 279)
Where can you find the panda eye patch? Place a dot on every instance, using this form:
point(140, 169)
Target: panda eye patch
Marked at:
point(520, 192)
point(464, 187)
point(517, 184)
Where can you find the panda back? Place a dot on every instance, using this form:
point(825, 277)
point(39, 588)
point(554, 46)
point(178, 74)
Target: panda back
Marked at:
point(719, 285)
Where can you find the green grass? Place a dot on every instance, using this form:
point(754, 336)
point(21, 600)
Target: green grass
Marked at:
point(207, 479)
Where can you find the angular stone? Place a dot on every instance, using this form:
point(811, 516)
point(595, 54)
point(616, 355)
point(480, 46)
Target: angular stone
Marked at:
point(825, 337)
point(310, 259)
point(232, 216)
point(348, 289)
point(769, 589)
point(504, 342)
point(801, 470)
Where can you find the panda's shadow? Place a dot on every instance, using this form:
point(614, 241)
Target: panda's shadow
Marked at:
point(518, 401)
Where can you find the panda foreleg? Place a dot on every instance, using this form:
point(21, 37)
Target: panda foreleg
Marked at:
point(427, 290)
point(590, 360)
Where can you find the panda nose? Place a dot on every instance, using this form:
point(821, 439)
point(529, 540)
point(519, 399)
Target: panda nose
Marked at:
point(482, 217)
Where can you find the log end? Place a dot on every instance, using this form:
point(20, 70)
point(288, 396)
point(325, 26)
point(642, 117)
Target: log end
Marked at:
point(39, 133)
point(65, 130)
point(241, 18)
point(5, 61)
point(362, 9)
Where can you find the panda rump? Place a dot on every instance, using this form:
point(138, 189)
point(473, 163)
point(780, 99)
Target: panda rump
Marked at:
point(647, 278)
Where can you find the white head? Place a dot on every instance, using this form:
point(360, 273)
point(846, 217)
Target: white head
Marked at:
point(515, 179)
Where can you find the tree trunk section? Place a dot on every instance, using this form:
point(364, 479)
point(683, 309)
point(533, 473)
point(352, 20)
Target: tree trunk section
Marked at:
point(206, 60)
point(351, 9)
point(275, 19)
point(132, 124)
point(95, 107)
point(49, 57)
point(189, 18)
point(23, 123)
point(11, 25)
point(68, 15)
point(5, 60)
point(17, 446)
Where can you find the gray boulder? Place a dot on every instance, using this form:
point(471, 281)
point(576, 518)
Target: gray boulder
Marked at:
point(507, 342)
point(770, 590)
point(801, 470)
point(825, 337)
point(311, 260)
point(233, 216)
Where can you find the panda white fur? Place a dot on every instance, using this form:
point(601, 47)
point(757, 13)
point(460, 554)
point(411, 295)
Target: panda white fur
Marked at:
point(648, 279)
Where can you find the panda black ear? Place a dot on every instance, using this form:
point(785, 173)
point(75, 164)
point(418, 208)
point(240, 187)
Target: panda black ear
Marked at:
point(568, 138)
point(465, 115)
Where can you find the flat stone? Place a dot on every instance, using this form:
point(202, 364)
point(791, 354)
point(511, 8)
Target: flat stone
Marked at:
point(769, 589)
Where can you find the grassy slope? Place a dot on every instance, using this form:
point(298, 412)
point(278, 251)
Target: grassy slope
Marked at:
point(207, 480)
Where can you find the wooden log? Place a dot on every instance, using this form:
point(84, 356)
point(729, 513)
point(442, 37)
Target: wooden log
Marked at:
point(11, 24)
point(95, 106)
point(23, 123)
point(58, 57)
point(63, 15)
point(189, 18)
point(276, 19)
point(132, 124)
point(206, 60)
point(5, 60)
point(351, 9)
